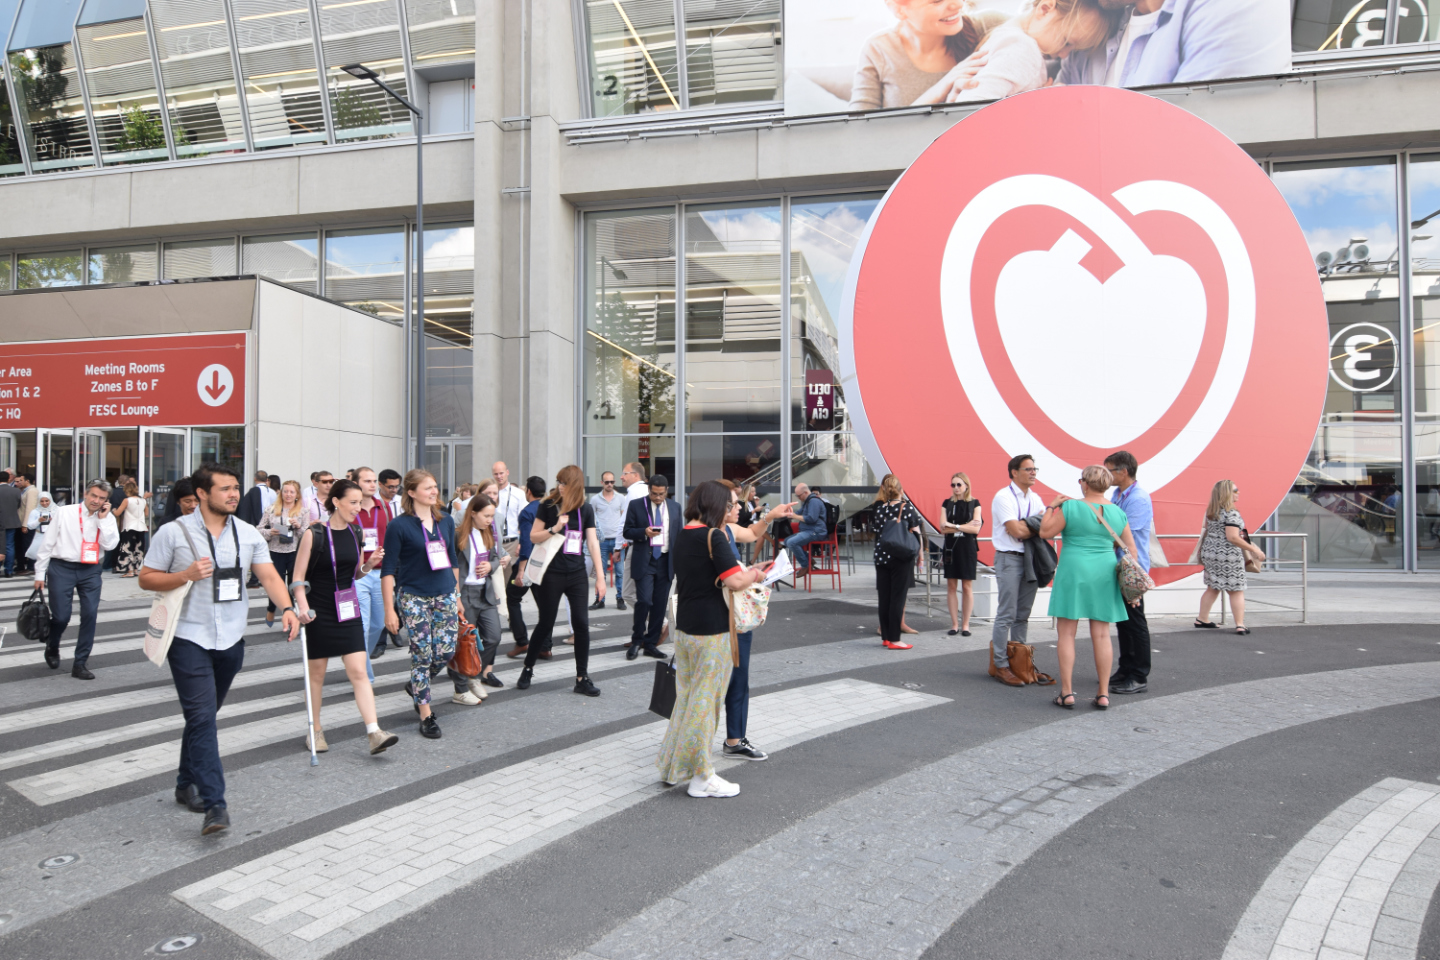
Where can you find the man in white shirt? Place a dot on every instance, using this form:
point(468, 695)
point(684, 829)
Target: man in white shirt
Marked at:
point(509, 501)
point(1009, 511)
point(315, 501)
point(79, 536)
point(636, 487)
point(390, 491)
point(268, 495)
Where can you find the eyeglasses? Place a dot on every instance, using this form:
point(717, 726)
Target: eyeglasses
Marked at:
point(1031, 469)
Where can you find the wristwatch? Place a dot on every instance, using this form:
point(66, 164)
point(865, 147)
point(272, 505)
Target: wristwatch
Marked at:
point(288, 610)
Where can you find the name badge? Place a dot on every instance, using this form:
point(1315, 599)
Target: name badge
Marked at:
point(227, 589)
point(572, 542)
point(439, 556)
point(347, 604)
point(658, 540)
point(90, 552)
point(372, 538)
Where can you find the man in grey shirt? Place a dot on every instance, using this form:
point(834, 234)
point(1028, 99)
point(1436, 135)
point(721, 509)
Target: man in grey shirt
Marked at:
point(210, 549)
point(610, 510)
point(10, 522)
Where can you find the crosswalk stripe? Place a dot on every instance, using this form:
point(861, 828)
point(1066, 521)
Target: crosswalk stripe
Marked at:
point(108, 614)
point(34, 653)
point(318, 895)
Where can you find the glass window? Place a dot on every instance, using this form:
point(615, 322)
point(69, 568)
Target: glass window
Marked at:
point(1352, 24)
point(1425, 290)
point(50, 109)
point(199, 77)
point(441, 31)
point(449, 329)
point(742, 458)
point(732, 50)
point(4, 271)
point(834, 464)
point(292, 258)
point(655, 454)
point(11, 164)
point(367, 33)
point(63, 268)
point(127, 264)
point(732, 318)
point(185, 259)
point(109, 11)
point(633, 63)
point(277, 61)
point(629, 348)
point(824, 232)
point(1347, 494)
point(43, 23)
point(365, 268)
point(121, 78)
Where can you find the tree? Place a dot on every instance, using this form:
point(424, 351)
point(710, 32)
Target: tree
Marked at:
point(140, 131)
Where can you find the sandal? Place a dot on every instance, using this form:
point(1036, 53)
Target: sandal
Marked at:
point(1099, 705)
point(1066, 701)
point(1242, 631)
point(1205, 624)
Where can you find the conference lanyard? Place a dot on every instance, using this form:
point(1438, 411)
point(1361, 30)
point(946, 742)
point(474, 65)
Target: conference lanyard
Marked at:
point(435, 549)
point(476, 557)
point(89, 551)
point(347, 600)
point(225, 583)
point(1016, 494)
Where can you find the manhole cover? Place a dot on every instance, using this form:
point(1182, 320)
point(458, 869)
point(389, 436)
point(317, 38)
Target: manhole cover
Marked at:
point(176, 944)
point(63, 860)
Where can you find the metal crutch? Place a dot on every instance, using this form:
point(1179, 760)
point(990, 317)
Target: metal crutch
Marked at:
point(305, 672)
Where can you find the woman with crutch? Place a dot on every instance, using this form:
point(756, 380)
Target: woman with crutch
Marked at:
point(329, 560)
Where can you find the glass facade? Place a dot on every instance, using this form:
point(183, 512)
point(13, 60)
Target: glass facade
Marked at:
point(1424, 217)
point(441, 31)
point(278, 67)
point(63, 268)
point(49, 105)
point(291, 258)
point(732, 51)
point(124, 100)
point(185, 259)
point(449, 329)
point(1355, 24)
point(367, 33)
point(130, 263)
point(198, 72)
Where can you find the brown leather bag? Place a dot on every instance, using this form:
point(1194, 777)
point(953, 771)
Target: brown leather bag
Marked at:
point(466, 661)
point(1022, 664)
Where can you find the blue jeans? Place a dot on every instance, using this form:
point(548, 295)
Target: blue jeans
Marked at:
point(202, 678)
point(737, 697)
point(65, 579)
point(607, 548)
point(372, 614)
point(10, 551)
point(795, 543)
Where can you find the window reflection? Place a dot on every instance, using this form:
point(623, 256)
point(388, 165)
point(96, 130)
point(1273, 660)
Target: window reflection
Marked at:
point(186, 259)
point(277, 59)
point(366, 32)
point(5, 282)
point(732, 50)
point(121, 79)
point(1346, 497)
point(1354, 24)
point(629, 348)
point(741, 458)
point(449, 329)
point(365, 269)
point(655, 454)
point(441, 31)
point(633, 60)
point(62, 268)
point(1425, 291)
point(130, 263)
point(51, 110)
point(834, 464)
point(11, 164)
point(193, 41)
point(292, 258)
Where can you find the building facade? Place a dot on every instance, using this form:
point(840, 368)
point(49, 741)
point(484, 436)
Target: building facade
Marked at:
point(633, 249)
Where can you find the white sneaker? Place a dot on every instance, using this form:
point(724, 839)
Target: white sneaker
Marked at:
point(478, 688)
point(714, 787)
point(467, 699)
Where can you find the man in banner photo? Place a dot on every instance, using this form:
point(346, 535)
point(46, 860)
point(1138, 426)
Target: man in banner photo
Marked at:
point(847, 55)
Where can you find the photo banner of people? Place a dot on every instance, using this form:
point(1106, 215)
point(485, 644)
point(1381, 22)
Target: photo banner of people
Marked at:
point(849, 55)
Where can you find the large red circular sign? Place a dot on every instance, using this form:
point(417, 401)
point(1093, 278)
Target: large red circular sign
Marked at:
point(1076, 271)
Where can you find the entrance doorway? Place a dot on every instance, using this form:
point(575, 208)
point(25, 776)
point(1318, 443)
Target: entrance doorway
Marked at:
point(451, 461)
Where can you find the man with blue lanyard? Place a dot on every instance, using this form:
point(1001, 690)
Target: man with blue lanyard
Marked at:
point(1133, 671)
point(210, 549)
point(1012, 506)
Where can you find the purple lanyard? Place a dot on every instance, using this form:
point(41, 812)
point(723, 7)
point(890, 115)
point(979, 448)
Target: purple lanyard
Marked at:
point(329, 535)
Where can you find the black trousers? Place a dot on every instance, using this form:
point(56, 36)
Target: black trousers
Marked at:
point(285, 566)
point(515, 612)
point(892, 583)
point(652, 595)
point(574, 587)
point(67, 578)
point(202, 678)
point(1134, 635)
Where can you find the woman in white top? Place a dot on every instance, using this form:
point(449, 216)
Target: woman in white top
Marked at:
point(462, 498)
point(482, 591)
point(39, 521)
point(134, 510)
point(281, 526)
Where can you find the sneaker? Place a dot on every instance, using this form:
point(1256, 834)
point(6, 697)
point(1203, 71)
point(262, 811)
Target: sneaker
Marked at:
point(598, 605)
point(524, 682)
point(714, 787)
point(490, 680)
point(619, 603)
point(585, 687)
point(478, 688)
point(466, 699)
point(745, 750)
point(320, 745)
point(429, 728)
point(216, 819)
point(380, 741)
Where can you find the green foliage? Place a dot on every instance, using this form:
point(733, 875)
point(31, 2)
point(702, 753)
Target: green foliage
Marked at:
point(49, 271)
point(352, 111)
point(141, 131)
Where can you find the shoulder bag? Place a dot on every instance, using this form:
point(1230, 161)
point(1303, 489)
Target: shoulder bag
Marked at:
point(466, 660)
point(1134, 581)
point(898, 543)
point(541, 554)
point(165, 611)
point(1251, 564)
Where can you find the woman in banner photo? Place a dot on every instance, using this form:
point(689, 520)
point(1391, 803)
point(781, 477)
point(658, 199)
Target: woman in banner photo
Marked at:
point(1086, 586)
point(930, 38)
point(705, 567)
point(281, 526)
point(420, 579)
point(1223, 549)
point(483, 589)
point(962, 529)
point(327, 602)
point(134, 511)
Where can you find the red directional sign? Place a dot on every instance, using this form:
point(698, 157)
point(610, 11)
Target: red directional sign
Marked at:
point(1076, 271)
point(190, 380)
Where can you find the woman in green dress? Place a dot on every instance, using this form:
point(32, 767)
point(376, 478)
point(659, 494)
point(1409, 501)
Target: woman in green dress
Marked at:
point(1085, 586)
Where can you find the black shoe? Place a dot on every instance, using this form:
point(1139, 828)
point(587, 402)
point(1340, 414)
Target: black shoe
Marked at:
point(378, 652)
point(1129, 685)
point(619, 603)
point(395, 640)
point(216, 819)
point(745, 750)
point(964, 633)
point(632, 651)
point(253, 582)
point(585, 687)
point(652, 652)
point(524, 682)
point(80, 673)
point(598, 605)
point(429, 728)
point(190, 797)
point(52, 660)
point(1116, 679)
point(490, 680)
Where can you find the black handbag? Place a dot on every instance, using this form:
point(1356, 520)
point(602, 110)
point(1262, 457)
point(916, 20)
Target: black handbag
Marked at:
point(898, 543)
point(33, 622)
point(662, 694)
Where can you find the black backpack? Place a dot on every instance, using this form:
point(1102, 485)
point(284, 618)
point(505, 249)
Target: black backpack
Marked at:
point(33, 621)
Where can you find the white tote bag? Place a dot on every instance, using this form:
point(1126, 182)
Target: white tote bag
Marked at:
point(165, 612)
point(540, 556)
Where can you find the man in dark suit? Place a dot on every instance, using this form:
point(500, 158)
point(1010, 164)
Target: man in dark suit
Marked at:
point(651, 526)
point(252, 505)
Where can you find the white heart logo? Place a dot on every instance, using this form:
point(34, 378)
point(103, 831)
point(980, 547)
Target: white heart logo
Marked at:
point(1066, 333)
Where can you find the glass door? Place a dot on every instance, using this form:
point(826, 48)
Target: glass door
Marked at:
point(204, 448)
point(7, 451)
point(55, 462)
point(163, 460)
point(89, 457)
point(439, 460)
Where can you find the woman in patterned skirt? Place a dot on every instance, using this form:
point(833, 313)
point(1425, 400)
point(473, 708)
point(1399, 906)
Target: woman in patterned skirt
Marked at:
point(1222, 552)
point(705, 566)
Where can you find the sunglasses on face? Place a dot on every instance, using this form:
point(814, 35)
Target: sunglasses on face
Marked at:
point(956, 486)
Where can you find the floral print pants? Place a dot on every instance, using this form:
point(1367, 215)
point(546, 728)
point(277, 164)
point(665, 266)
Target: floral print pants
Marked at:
point(433, 624)
point(702, 675)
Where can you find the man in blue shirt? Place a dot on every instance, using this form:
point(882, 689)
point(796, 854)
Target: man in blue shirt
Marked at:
point(515, 589)
point(1131, 676)
point(812, 526)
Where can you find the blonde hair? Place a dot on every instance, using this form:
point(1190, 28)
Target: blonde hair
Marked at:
point(1098, 478)
point(890, 489)
point(969, 490)
point(1083, 31)
point(412, 480)
point(1222, 498)
point(278, 507)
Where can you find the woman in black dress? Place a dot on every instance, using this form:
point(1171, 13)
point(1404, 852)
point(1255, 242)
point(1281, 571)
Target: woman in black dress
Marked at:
point(962, 526)
point(327, 602)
